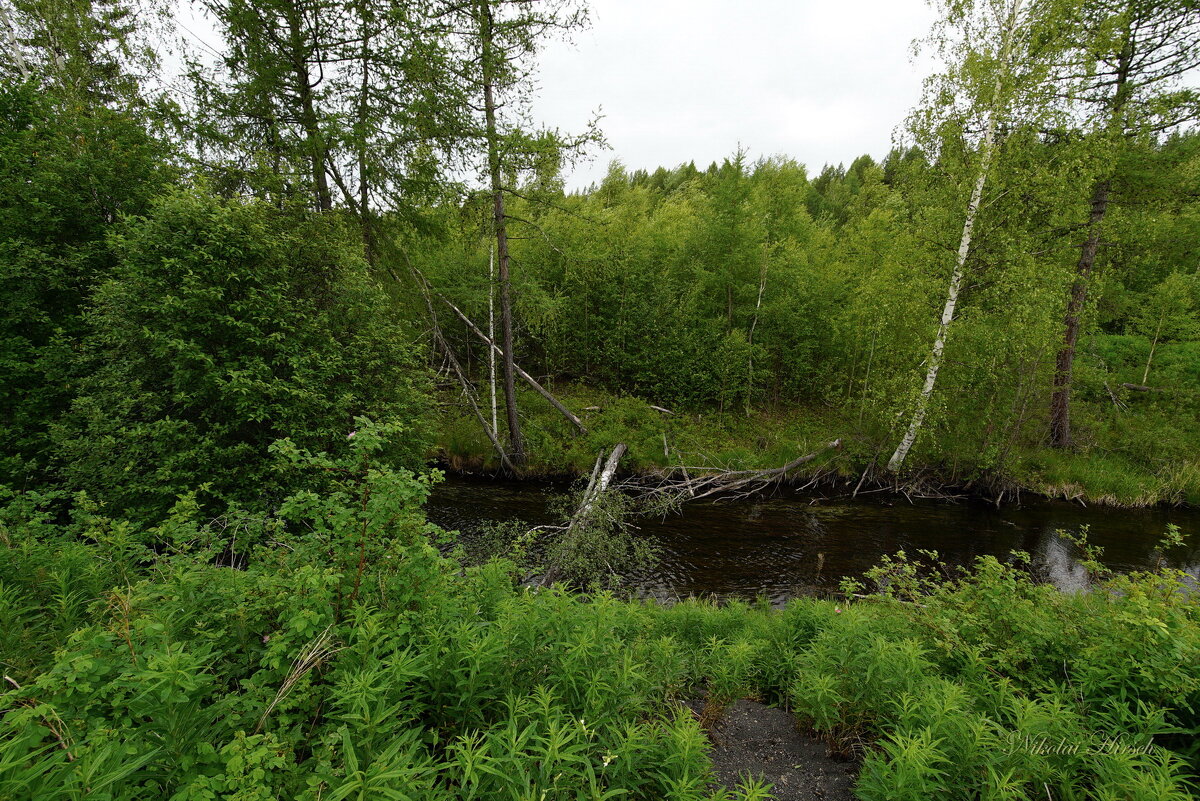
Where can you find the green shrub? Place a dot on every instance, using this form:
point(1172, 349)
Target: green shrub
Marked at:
point(349, 660)
point(227, 326)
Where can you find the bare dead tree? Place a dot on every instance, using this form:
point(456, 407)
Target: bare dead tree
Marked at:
point(725, 484)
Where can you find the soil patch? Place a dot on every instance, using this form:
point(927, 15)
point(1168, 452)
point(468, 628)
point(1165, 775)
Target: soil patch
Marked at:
point(766, 743)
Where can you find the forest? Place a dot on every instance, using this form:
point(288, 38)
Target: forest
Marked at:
point(259, 295)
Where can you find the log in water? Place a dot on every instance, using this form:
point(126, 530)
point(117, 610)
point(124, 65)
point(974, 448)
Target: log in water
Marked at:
point(800, 544)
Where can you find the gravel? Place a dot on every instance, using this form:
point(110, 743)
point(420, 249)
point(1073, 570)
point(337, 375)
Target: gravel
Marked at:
point(765, 742)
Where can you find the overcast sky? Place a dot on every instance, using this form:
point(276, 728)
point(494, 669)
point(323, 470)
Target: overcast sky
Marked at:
point(822, 81)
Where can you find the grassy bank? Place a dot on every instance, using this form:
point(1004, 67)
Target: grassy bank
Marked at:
point(357, 663)
point(761, 439)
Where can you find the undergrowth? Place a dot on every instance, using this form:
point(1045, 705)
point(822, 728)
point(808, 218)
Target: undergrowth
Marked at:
point(350, 660)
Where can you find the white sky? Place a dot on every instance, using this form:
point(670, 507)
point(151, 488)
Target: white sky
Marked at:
point(822, 81)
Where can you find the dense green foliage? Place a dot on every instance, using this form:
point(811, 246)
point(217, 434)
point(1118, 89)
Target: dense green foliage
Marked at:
point(648, 285)
point(217, 580)
point(67, 172)
point(358, 663)
point(224, 327)
point(156, 340)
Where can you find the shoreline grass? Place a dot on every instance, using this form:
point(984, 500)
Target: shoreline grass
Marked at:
point(764, 439)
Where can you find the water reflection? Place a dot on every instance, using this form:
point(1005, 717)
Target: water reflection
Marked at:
point(783, 546)
point(1058, 563)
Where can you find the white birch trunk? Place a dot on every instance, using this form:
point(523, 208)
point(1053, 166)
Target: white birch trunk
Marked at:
point(597, 486)
point(1153, 345)
point(13, 45)
point(964, 248)
point(545, 393)
point(762, 286)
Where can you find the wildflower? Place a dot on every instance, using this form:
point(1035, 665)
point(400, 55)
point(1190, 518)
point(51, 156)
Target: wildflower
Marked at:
point(266, 638)
point(837, 609)
point(351, 435)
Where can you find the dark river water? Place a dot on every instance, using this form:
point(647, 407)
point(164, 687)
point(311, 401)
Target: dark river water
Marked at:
point(802, 544)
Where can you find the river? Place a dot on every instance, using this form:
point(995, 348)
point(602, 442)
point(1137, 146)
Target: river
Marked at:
point(796, 544)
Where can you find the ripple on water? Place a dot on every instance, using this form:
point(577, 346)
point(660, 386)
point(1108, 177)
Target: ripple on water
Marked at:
point(801, 544)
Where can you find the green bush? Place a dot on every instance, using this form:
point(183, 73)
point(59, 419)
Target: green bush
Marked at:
point(67, 171)
point(228, 325)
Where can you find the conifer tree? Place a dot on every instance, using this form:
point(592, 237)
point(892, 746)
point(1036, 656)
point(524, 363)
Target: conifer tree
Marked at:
point(1130, 77)
point(498, 43)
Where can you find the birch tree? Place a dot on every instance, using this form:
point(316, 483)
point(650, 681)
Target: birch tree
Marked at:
point(96, 51)
point(999, 23)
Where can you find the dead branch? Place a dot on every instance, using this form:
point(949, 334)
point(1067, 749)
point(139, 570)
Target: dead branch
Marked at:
point(567, 413)
point(598, 484)
point(440, 343)
point(730, 484)
point(1113, 396)
point(469, 393)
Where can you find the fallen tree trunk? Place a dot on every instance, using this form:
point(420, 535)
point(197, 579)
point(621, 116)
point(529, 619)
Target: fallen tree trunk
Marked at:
point(736, 482)
point(440, 343)
point(491, 434)
point(598, 484)
point(606, 477)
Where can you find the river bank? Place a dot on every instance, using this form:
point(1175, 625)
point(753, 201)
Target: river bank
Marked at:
point(665, 443)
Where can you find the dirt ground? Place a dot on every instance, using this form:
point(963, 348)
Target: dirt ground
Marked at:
point(765, 742)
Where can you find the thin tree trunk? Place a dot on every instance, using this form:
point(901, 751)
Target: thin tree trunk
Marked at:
point(1060, 402)
point(964, 248)
point(762, 286)
point(492, 331)
point(308, 113)
point(952, 294)
point(490, 431)
point(440, 343)
point(364, 192)
point(1153, 345)
point(939, 342)
point(530, 380)
point(729, 308)
point(516, 441)
point(275, 148)
point(862, 401)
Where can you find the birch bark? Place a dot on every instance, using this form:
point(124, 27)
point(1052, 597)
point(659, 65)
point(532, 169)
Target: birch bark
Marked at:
point(13, 45)
point(964, 248)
